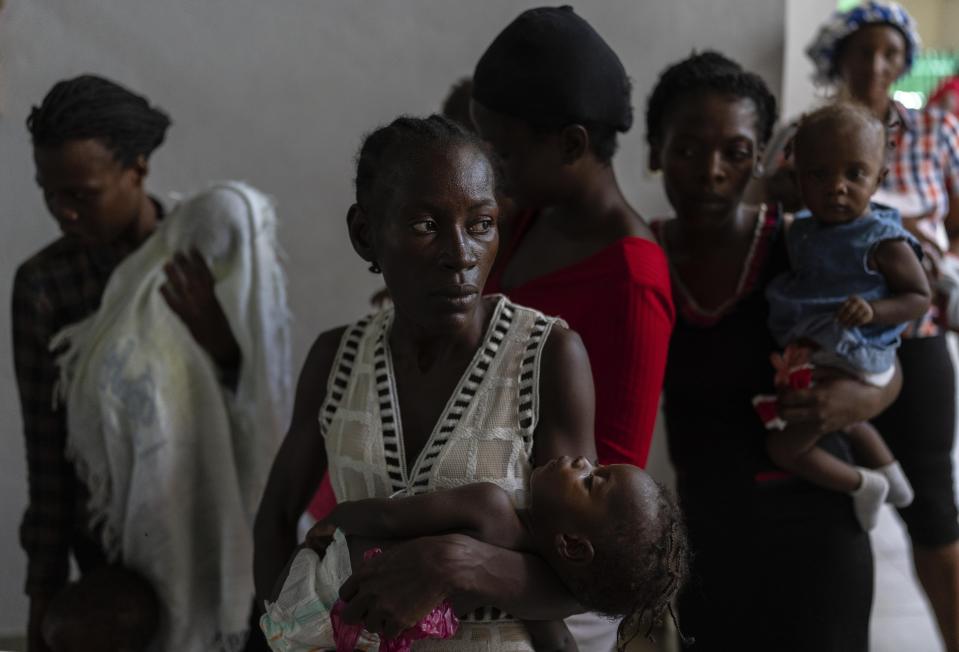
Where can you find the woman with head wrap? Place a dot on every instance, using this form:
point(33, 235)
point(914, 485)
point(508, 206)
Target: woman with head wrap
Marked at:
point(863, 51)
point(550, 96)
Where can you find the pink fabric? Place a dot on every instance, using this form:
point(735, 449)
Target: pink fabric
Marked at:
point(441, 622)
point(324, 500)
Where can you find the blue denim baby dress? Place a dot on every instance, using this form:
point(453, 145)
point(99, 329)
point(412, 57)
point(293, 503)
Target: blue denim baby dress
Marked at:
point(829, 263)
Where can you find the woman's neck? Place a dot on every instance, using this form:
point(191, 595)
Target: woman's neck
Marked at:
point(143, 225)
point(589, 204)
point(697, 235)
point(879, 106)
point(881, 109)
point(429, 345)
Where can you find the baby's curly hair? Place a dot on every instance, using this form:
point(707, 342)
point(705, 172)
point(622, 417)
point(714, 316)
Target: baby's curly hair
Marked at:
point(837, 115)
point(638, 568)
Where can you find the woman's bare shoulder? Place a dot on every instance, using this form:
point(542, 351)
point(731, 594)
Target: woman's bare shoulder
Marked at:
point(311, 387)
point(628, 223)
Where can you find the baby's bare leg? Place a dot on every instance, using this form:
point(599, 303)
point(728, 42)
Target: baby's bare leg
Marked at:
point(868, 445)
point(794, 449)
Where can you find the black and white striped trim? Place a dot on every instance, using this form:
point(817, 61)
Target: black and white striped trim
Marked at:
point(529, 378)
point(487, 614)
point(392, 446)
point(467, 392)
point(342, 369)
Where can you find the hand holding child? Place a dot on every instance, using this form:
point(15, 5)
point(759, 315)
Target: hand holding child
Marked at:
point(855, 311)
point(320, 536)
point(189, 293)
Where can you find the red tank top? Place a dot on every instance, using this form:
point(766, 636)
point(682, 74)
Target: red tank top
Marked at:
point(619, 301)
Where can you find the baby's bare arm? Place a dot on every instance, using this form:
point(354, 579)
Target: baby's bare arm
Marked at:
point(896, 260)
point(482, 510)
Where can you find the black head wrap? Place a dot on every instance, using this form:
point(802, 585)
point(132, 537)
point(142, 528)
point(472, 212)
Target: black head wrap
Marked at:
point(549, 67)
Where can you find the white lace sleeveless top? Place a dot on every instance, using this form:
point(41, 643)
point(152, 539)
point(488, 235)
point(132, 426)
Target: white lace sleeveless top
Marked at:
point(484, 434)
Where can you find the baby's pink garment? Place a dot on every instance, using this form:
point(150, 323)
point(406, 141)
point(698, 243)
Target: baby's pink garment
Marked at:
point(441, 622)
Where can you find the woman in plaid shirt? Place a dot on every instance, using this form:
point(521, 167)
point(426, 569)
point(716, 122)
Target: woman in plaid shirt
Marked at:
point(92, 140)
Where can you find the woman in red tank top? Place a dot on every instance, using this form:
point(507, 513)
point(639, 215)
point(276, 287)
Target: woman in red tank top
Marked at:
point(579, 250)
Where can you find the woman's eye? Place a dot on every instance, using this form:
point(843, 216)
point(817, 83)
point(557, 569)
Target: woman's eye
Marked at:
point(424, 226)
point(482, 227)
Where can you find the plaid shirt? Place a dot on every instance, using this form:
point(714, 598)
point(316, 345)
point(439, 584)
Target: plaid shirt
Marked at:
point(60, 285)
point(924, 162)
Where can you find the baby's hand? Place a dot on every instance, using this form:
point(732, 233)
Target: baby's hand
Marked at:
point(856, 311)
point(320, 536)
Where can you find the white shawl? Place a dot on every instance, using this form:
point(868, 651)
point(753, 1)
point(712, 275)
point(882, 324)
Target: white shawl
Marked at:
point(175, 463)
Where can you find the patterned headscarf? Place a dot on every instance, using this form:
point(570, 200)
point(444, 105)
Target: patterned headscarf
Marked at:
point(825, 47)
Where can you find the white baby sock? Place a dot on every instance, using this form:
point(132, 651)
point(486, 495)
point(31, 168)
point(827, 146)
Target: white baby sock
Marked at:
point(900, 491)
point(869, 497)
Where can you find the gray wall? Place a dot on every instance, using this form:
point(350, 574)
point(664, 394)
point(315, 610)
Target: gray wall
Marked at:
point(279, 93)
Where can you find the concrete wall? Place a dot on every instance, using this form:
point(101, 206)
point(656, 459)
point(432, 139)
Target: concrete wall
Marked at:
point(279, 93)
point(802, 21)
point(937, 22)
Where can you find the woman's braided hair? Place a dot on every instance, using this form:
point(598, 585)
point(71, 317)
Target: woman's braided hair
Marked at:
point(387, 150)
point(91, 107)
point(713, 72)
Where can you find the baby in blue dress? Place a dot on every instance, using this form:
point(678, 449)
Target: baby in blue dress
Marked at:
point(855, 281)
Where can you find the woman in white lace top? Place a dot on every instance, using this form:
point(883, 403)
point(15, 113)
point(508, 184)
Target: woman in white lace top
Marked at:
point(447, 388)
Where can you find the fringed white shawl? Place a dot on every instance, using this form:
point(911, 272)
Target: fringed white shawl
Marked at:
point(176, 463)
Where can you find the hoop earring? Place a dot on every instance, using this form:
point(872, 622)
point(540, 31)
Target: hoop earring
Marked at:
point(375, 268)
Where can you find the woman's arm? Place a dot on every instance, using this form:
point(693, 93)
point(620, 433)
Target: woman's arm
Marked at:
point(836, 401)
point(567, 406)
point(396, 589)
point(483, 511)
point(189, 292)
point(952, 223)
point(297, 469)
point(950, 142)
point(45, 532)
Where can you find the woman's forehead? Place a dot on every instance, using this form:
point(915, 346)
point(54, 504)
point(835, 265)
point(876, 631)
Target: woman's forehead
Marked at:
point(460, 173)
point(74, 160)
point(708, 112)
point(881, 33)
